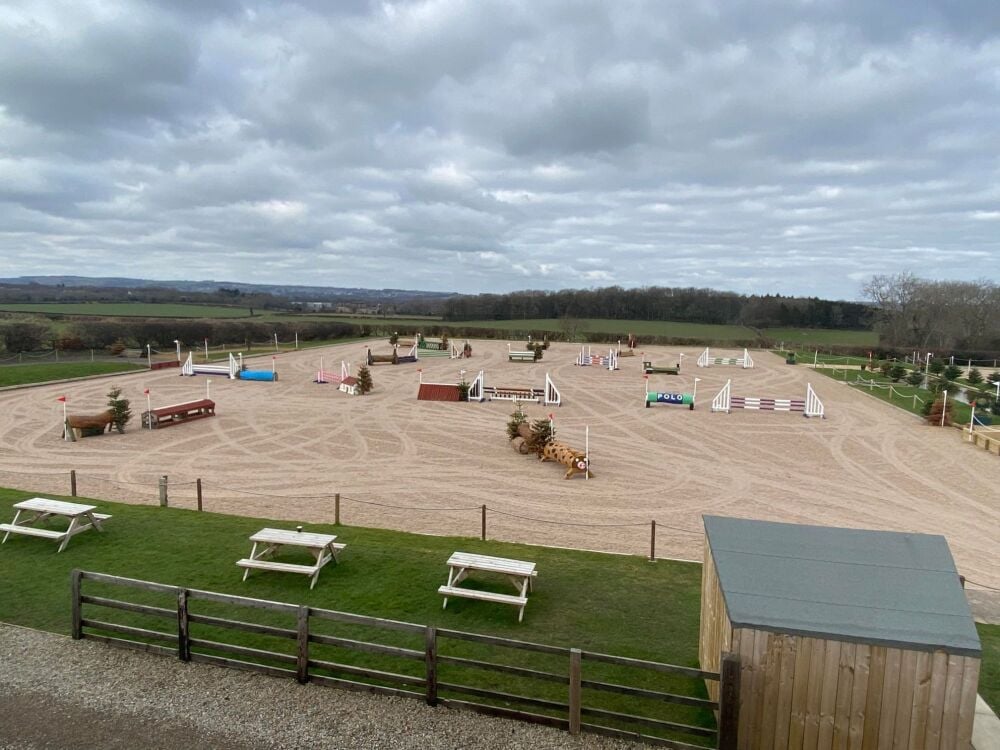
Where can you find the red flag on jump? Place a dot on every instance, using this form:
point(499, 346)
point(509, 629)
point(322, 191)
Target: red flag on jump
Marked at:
point(61, 398)
point(146, 392)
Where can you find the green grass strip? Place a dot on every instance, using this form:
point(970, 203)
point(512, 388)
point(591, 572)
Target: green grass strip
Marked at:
point(34, 373)
point(616, 604)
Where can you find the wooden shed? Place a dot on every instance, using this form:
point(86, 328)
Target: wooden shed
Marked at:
point(846, 638)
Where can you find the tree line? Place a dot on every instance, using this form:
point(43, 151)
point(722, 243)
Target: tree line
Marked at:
point(958, 317)
point(136, 333)
point(686, 305)
point(37, 293)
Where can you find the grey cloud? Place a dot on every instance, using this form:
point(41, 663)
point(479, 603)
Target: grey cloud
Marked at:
point(784, 147)
point(113, 72)
point(585, 121)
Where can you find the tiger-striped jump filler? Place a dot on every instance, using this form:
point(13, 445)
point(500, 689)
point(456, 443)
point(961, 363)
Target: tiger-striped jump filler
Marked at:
point(810, 406)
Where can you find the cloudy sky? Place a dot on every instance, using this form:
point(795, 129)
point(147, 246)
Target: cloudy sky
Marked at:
point(793, 146)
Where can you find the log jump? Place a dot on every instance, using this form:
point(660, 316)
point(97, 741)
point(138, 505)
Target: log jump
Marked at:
point(165, 416)
point(650, 369)
point(575, 461)
point(85, 425)
point(677, 399)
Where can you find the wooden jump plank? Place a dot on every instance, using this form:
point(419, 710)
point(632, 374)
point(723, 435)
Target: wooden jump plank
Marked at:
point(189, 418)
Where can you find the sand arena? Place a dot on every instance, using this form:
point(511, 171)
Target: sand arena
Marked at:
point(280, 450)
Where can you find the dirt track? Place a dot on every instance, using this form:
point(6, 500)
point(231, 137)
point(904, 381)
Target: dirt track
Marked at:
point(867, 465)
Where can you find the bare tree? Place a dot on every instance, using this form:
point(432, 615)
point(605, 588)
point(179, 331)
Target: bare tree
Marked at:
point(571, 327)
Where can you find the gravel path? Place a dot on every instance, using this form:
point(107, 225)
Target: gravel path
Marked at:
point(60, 693)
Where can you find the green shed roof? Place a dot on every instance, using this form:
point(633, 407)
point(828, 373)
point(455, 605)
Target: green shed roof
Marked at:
point(883, 587)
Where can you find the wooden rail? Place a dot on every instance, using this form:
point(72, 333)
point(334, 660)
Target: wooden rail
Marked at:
point(303, 663)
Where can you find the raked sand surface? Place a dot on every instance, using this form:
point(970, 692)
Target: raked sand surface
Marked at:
point(280, 450)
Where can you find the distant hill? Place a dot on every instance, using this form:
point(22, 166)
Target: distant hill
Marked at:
point(293, 292)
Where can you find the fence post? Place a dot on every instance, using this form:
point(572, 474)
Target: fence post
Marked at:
point(183, 632)
point(430, 661)
point(574, 690)
point(336, 509)
point(729, 701)
point(197, 483)
point(163, 491)
point(302, 640)
point(76, 626)
point(652, 540)
point(72, 482)
point(482, 532)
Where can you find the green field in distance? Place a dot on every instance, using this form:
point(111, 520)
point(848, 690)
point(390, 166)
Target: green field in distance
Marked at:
point(793, 337)
point(128, 310)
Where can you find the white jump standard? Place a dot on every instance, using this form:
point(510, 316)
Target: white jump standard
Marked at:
point(588, 359)
point(810, 406)
point(230, 370)
point(707, 360)
point(547, 395)
point(324, 376)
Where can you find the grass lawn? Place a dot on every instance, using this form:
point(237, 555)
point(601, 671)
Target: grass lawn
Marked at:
point(901, 394)
point(799, 337)
point(23, 374)
point(128, 309)
point(806, 357)
point(702, 331)
point(989, 674)
point(793, 337)
point(622, 605)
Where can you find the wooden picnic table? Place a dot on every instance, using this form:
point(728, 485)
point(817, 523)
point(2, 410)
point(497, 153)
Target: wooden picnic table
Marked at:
point(36, 509)
point(268, 541)
point(519, 572)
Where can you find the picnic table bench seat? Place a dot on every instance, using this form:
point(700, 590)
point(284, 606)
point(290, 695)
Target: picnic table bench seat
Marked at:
point(489, 596)
point(47, 533)
point(37, 509)
point(31, 531)
point(520, 572)
point(284, 567)
point(267, 541)
point(264, 564)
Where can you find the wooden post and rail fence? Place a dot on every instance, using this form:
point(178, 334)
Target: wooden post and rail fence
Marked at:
point(163, 494)
point(308, 661)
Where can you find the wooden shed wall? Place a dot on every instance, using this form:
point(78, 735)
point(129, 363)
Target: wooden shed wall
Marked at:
point(716, 632)
point(801, 692)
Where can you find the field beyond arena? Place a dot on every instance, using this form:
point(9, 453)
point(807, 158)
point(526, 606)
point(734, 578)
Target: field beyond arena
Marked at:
point(280, 450)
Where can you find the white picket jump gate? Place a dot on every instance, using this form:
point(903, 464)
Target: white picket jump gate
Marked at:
point(323, 376)
point(587, 359)
point(230, 371)
point(412, 354)
point(810, 406)
point(548, 395)
point(707, 360)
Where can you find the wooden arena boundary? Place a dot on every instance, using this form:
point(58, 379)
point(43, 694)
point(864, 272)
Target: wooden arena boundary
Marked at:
point(304, 660)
